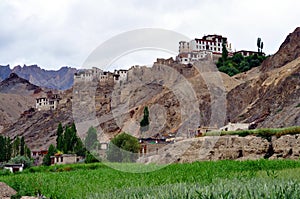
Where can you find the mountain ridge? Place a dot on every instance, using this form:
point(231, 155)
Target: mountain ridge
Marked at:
point(61, 79)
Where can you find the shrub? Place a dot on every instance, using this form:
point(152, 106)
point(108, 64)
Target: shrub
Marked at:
point(22, 160)
point(123, 148)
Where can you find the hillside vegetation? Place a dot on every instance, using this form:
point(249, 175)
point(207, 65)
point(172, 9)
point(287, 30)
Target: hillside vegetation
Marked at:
point(238, 64)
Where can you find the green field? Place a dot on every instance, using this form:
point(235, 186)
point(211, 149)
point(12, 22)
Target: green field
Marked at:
point(265, 133)
point(220, 179)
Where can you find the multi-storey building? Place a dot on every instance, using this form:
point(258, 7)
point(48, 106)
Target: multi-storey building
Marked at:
point(197, 49)
point(48, 102)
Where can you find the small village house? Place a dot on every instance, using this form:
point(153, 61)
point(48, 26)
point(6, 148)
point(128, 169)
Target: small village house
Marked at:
point(14, 167)
point(48, 102)
point(65, 159)
point(38, 156)
point(235, 126)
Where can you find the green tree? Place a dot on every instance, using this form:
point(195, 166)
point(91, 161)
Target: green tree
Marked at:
point(91, 139)
point(47, 159)
point(224, 51)
point(22, 146)
point(90, 158)
point(59, 138)
point(260, 46)
point(2, 149)
point(237, 58)
point(79, 149)
point(123, 148)
point(27, 152)
point(70, 139)
point(8, 149)
point(16, 147)
point(144, 123)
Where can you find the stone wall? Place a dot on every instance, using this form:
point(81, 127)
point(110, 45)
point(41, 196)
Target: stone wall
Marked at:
point(228, 147)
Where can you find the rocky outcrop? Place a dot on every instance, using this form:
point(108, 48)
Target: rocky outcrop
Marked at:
point(287, 146)
point(6, 191)
point(227, 147)
point(288, 51)
point(16, 85)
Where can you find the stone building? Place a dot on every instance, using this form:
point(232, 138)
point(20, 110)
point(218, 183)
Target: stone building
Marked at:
point(246, 53)
point(235, 126)
point(48, 102)
point(120, 75)
point(65, 159)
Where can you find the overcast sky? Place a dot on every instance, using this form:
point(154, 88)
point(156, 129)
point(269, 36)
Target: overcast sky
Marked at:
point(55, 33)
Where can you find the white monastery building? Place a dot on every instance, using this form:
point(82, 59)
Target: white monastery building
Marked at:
point(199, 48)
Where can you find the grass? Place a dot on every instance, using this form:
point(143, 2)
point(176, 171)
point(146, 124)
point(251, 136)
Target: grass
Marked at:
point(298, 105)
point(220, 179)
point(260, 132)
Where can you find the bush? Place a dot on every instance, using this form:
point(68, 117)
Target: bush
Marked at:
point(90, 158)
point(123, 148)
point(22, 160)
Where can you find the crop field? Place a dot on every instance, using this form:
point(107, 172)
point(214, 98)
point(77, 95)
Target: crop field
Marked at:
point(220, 179)
point(260, 132)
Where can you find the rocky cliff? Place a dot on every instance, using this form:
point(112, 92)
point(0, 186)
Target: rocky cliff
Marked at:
point(288, 51)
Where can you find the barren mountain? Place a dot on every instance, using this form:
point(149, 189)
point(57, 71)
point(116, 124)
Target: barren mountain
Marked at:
point(61, 79)
point(16, 96)
point(16, 85)
point(4, 72)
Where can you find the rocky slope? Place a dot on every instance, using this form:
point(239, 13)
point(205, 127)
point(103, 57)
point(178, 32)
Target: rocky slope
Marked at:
point(39, 127)
point(270, 96)
point(16, 96)
point(288, 51)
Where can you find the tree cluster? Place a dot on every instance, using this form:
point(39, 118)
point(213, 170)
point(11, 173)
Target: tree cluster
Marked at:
point(123, 148)
point(10, 149)
point(144, 123)
point(67, 141)
point(238, 63)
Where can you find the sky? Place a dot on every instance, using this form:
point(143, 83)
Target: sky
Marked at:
point(56, 33)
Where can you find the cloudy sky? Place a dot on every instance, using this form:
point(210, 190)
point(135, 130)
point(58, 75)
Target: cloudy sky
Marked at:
point(55, 33)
